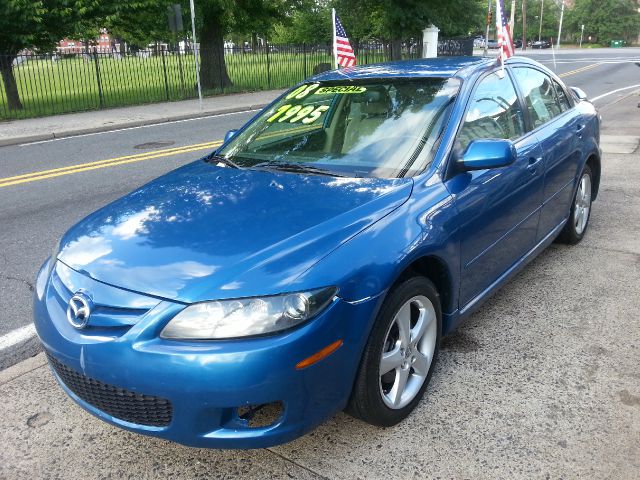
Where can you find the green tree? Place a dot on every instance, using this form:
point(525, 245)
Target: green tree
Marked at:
point(218, 18)
point(605, 20)
point(141, 22)
point(310, 22)
point(550, 19)
point(397, 20)
point(26, 24)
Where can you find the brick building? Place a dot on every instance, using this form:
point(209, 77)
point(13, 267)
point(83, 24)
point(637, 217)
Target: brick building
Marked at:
point(103, 44)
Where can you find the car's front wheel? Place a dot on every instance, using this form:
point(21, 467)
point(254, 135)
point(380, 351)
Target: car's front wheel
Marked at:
point(400, 354)
point(576, 226)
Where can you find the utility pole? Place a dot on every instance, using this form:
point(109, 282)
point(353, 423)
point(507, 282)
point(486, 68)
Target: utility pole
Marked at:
point(541, 14)
point(486, 37)
point(560, 28)
point(524, 24)
point(581, 34)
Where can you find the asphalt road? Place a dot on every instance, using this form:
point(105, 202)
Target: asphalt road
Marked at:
point(38, 206)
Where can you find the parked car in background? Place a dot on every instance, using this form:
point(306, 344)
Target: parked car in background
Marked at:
point(315, 260)
point(517, 43)
point(541, 44)
point(493, 44)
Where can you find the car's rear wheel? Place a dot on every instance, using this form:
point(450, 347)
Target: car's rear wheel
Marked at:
point(578, 222)
point(400, 354)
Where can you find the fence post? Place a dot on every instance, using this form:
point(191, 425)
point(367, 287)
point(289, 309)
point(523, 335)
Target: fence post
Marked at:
point(96, 61)
point(180, 66)
point(266, 44)
point(304, 54)
point(164, 68)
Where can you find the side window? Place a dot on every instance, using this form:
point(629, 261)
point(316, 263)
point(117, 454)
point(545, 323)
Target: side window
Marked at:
point(494, 112)
point(540, 96)
point(562, 97)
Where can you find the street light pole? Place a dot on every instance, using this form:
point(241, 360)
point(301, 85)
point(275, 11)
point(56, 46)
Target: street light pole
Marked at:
point(541, 13)
point(581, 34)
point(560, 27)
point(195, 50)
point(524, 24)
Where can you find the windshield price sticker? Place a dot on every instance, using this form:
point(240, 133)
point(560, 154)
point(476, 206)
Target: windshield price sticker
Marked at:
point(342, 89)
point(298, 113)
point(302, 91)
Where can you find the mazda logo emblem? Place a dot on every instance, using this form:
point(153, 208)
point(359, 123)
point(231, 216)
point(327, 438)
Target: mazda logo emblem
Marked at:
point(79, 310)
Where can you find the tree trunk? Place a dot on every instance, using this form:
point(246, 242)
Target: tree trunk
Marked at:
point(9, 80)
point(213, 72)
point(396, 49)
point(254, 42)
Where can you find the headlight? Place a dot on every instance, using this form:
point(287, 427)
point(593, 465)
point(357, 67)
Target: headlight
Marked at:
point(247, 316)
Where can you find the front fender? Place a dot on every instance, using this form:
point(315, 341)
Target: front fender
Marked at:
point(369, 263)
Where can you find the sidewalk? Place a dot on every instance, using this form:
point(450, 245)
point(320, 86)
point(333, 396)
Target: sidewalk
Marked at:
point(58, 126)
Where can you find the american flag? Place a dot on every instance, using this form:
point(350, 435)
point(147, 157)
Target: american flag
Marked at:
point(505, 42)
point(341, 46)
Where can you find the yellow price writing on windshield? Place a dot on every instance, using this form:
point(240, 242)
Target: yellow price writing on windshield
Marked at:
point(302, 91)
point(298, 113)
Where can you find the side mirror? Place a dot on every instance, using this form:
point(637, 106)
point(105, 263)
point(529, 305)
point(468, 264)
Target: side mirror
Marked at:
point(484, 154)
point(579, 93)
point(229, 134)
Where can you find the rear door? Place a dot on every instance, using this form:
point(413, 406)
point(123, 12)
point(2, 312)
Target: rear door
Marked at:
point(558, 128)
point(498, 208)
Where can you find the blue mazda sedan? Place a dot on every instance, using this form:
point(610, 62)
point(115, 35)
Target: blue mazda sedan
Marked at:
point(315, 260)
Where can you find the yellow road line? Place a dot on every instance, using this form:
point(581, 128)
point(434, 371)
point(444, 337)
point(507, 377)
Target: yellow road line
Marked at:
point(111, 162)
point(579, 70)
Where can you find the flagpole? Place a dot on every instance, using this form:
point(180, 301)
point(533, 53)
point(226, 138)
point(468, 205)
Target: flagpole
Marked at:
point(500, 28)
point(333, 22)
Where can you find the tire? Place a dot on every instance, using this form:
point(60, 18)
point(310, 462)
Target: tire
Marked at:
point(377, 399)
point(578, 221)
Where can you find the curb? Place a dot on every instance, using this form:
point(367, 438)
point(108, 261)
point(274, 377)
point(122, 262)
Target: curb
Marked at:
point(5, 142)
point(23, 367)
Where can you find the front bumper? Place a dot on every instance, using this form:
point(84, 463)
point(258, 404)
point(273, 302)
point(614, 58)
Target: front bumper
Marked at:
point(206, 383)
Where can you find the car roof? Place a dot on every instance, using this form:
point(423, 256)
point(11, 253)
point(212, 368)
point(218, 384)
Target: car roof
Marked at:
point(462, 67)
point(423, 67)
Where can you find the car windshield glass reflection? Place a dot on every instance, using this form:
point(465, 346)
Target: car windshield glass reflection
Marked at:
point(369, 128)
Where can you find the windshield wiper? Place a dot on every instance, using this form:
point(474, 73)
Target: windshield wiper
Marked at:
point(295, 167)
point(219, 159)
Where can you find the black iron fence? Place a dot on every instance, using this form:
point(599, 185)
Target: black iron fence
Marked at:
point(45, 84)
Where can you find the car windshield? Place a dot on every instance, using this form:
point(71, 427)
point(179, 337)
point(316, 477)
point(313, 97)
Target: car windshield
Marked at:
point(372, 128)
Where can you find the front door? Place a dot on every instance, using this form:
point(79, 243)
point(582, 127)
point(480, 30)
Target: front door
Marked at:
point(498, 208)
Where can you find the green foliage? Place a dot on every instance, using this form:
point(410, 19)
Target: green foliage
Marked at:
point(309, 23)
point(141, 22)
point(402, 19)
point(605, 20)
point(550, 19)
point(34, 23)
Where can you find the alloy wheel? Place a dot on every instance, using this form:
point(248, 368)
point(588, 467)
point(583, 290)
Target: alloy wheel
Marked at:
point(582, 206)
point(408, 351)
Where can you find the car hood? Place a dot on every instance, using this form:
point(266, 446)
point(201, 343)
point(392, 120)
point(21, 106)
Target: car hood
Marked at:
point(203, 232)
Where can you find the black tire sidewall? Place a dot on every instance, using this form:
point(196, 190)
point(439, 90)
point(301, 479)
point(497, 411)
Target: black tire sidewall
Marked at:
point(369, 404)
point(569, 234)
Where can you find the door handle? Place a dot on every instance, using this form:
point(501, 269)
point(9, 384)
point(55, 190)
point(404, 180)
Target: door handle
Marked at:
point(533, 164)
point(580, 129)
